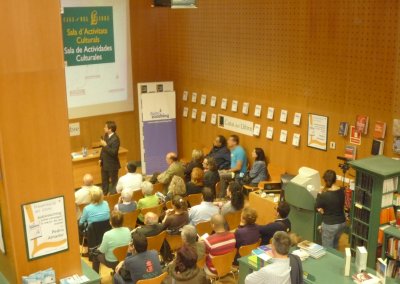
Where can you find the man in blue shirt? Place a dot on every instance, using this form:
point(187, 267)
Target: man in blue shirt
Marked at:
point(238, 163)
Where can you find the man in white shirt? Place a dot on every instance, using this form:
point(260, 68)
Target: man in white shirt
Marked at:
point(280, 271)
point(205, 210)
point(82, 195)
point(131, 181)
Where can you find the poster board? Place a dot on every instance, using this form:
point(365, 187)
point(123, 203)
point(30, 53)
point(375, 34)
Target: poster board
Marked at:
point(45, 227)
point(317, 131)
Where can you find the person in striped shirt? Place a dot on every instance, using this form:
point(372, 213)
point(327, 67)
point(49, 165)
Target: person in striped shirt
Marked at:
point(219, 243)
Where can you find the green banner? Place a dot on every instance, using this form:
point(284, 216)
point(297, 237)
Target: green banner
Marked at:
point(88, 35)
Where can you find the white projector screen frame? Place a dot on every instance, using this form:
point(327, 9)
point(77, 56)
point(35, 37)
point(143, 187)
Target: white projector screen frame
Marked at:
point(97, 102)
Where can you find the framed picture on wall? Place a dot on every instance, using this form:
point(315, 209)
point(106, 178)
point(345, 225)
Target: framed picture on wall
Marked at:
point(317, 131)
point(45, 227)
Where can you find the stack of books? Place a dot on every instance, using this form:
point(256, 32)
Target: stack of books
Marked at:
point(314, 250)
point(47, 276)
point(260, 257)
point(365, 278)
point(301, 253)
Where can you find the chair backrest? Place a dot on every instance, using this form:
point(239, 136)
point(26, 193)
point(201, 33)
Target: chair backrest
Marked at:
point(155, 242)
point(158, 187)
point(195, 199)
point(246, 250)
point(174, 241)
point(112, 200)
point(96, 231)
point(218, 189)
point(137, 195)
point(156, 209)
point(156, 280)
point(204, 227)
point(223, 263)
point(201, 262)
point(120, 253)
point(130, 219)
point(233, 219)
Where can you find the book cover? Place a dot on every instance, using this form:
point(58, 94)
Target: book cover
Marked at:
point(350, 152)
point(347, 264)
point(377, 147)
point(362, 123)
point(381, 270)
point(343, 128)
point(379, 130)
point(361, 258)
point(355, 136)
point(365, 278)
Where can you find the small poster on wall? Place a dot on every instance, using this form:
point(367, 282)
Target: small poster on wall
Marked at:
point(355, 135)
point(317, 131)
point(45, 227)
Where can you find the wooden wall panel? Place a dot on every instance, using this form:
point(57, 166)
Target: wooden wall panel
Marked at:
point(34, 144)
point(334, 58)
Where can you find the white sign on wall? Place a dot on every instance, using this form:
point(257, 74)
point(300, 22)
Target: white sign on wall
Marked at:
point(236, 125)
point(74, 129)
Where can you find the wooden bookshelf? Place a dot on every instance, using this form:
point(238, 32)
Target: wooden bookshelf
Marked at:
point(377, 178)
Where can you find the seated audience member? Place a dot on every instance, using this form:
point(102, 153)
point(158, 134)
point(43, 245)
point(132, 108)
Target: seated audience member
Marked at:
point(151, 225)
point(149, 199)
point(196, 183)
point(184, 268)
point(118, 236)
point(125, 203)
point(219, 243)
point(259, 171)
point(141, 264)
point(196, 162)
point(82, 195)
point(97, 210)
point(131, 181)
point(177, 186)
point(177, 217)
point(220, 153)
point(189, 237)
point(284, 269)
point(247, 233)
point(236, 196)
point(330, 203)
point(205, 210)
point(238, 163)
point(175, 168)
point(282, 223)
point(211, 175)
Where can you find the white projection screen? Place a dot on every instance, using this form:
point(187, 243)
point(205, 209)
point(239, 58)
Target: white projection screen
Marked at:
point(97, 56)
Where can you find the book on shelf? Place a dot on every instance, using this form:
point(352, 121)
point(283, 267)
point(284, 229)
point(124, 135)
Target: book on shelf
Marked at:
point(396, 199)
point(390, 185)
point(381, 270)
point(362, 123)
point(366, 182)
point(377, 147)
point(379, 130)
point(387, 200)
point(347, 262)
point(361, 258)
point(365, 278)
point(343, 128)
point(393, 269)
point(393, 248)
point(350, 152)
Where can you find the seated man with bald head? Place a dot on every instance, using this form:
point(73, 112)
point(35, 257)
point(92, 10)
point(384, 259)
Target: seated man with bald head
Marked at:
point(82, 195)
point(151, 225)
point(175, 168)
point(219, 243)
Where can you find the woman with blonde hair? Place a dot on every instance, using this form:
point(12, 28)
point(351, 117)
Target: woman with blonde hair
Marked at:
point(196, 162)
point(97, 210)
point(176, 187)
point(196, 183)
